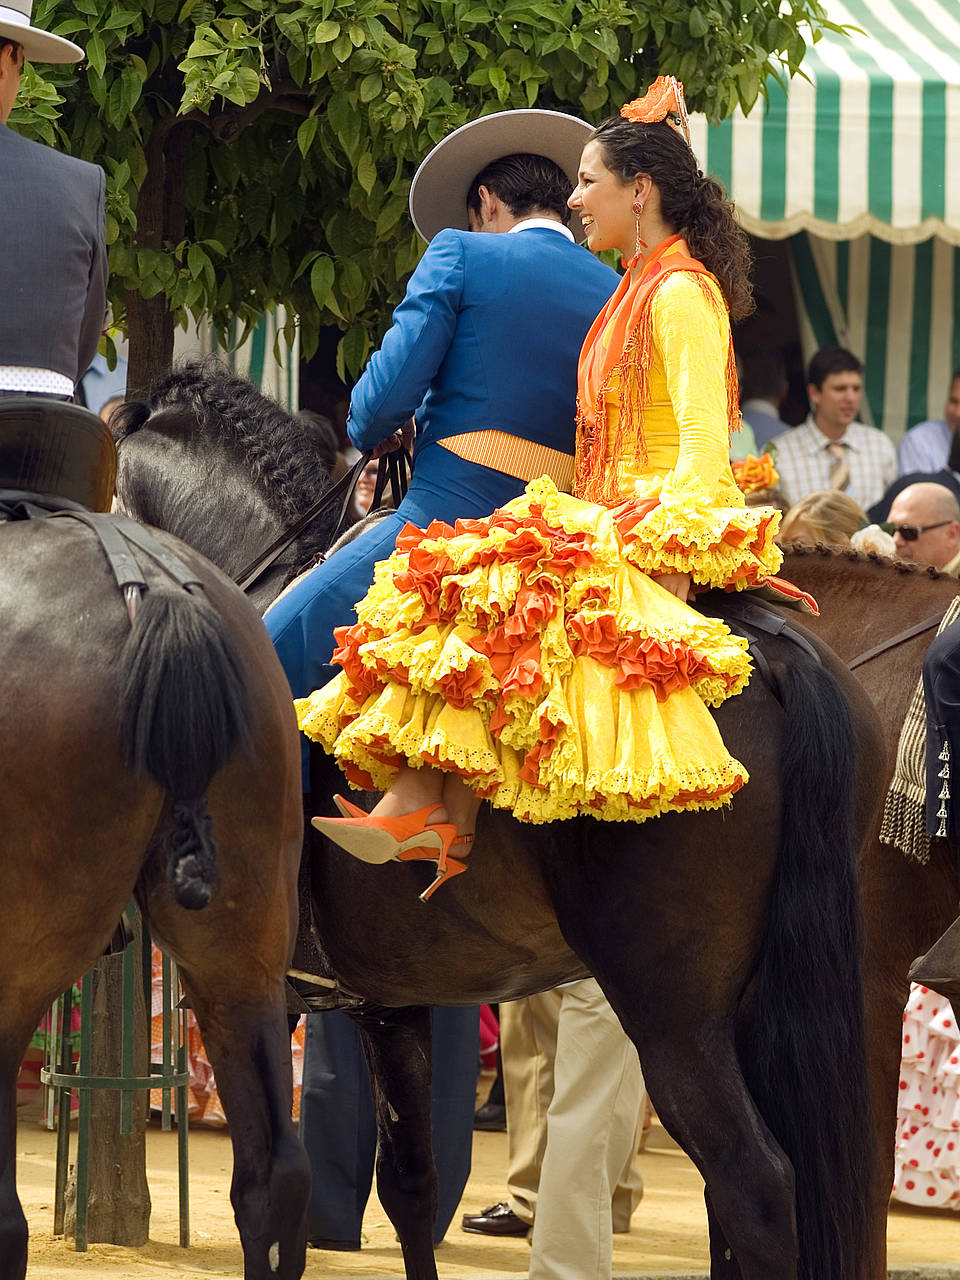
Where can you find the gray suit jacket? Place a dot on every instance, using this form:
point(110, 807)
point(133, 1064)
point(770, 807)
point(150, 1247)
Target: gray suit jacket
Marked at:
point(53, 258)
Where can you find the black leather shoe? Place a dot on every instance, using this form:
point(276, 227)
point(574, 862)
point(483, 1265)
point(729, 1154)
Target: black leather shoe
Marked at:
point(496, 1220)
point(490, 1117)
point(344, 1246)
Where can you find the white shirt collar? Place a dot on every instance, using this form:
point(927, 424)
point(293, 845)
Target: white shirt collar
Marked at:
point(548, 224)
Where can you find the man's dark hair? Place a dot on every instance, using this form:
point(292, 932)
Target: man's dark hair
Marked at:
point(526, 184)
point(6, 40)
point(832, 360)
point(764, 374)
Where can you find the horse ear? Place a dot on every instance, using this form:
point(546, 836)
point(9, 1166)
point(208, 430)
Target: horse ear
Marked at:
point(127, 418)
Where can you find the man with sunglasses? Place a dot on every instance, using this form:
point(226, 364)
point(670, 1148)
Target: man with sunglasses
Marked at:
point(925, 522)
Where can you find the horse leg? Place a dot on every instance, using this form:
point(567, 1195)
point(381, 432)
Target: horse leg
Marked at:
point(249, 1049)
point(701, 1097)
point(396, 1043)
point(13, 1224)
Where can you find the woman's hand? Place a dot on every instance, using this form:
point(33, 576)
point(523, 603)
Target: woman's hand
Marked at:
point(678, 584)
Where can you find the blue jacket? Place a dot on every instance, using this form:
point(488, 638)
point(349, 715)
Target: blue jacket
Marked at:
point(488, 335)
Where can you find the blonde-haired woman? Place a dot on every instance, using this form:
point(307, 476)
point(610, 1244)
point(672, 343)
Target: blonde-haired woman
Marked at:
point(829, 516)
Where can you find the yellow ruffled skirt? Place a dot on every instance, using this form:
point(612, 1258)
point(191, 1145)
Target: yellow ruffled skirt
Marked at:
point(528, 654)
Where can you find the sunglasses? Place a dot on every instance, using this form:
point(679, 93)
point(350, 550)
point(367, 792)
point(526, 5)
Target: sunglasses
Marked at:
point(911, 532)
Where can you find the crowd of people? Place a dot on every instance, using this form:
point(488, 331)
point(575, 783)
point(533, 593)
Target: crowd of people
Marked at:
point(463, 674)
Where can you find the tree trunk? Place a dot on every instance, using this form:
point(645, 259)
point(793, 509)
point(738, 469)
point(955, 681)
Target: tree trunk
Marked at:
point(150, 340)
point(161, 220)
point(119, 1198)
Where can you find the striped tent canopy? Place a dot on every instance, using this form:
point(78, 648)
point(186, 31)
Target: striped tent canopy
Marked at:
point(870, 143)
point(896, 306)
point(257, 359)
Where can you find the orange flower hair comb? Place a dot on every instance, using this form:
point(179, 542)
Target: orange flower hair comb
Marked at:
point(662, 101)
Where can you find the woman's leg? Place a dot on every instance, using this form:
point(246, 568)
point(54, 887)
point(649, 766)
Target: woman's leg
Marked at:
point(415, 789)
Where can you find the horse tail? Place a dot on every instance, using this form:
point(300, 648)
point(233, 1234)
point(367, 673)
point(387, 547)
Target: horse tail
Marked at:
point(185, 710)
point(803, 1049)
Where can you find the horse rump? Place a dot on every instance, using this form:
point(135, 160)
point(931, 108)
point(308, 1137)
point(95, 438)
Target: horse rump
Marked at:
point(802, 1042)
point(185, 710)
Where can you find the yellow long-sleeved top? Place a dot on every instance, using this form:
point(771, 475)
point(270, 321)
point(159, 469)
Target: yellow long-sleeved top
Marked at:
point(699, 522)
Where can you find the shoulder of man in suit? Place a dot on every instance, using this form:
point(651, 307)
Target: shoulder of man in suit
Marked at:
point(44, 154)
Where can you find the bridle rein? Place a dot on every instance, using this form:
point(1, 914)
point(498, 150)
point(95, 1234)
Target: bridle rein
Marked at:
point(900, 638)
point(393, 470)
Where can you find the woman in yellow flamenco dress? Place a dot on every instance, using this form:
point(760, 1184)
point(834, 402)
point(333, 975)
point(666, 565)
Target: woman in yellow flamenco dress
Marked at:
point(545, 658)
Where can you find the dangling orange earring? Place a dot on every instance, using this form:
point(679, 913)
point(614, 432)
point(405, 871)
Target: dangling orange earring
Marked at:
point(641, 243)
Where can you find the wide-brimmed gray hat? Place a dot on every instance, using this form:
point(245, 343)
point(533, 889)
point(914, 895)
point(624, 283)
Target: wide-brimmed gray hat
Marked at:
point(38, 46)
point(438, 193)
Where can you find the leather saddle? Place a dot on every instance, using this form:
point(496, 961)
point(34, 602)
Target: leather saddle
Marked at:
point(59, 452)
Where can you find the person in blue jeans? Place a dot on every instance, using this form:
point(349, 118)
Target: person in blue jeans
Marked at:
point(482, 355)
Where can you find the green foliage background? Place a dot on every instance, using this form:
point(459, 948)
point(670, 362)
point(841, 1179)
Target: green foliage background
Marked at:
point(307, 119)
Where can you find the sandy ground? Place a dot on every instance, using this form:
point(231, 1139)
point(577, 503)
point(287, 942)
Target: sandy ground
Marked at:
point(668, 1236)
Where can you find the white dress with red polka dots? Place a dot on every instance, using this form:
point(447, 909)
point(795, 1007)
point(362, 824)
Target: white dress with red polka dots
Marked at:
point(928, 1116)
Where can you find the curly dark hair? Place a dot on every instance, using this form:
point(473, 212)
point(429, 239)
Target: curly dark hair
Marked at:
point(694, 205)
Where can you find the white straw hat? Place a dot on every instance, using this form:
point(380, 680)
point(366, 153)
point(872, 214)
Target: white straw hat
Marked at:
point(38, 46)
point(438, 193)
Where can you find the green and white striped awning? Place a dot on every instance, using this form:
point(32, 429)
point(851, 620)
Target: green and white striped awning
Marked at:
point(869, 144)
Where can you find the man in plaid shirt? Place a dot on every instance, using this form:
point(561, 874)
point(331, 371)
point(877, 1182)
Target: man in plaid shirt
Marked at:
point(831, 450)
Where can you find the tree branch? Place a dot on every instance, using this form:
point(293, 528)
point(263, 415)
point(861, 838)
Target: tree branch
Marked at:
point(227, 125)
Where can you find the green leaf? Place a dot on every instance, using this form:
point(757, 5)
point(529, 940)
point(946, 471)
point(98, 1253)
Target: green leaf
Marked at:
point(321, 280)
point(498, 78)
point(697, 23)
point(187, 9)
point(326, 31)
point(351, 279)
point(371, 86)
point(351, 351)
point(96, 53)
point(306, 134)
point(366, 172)
point(197, 261)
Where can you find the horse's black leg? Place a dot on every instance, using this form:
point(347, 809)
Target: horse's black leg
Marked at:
point(13, 1225)
point(249, 1049)
point(698, 1089)
point(396, 1043)
point(675, 983)
point(723, 1265)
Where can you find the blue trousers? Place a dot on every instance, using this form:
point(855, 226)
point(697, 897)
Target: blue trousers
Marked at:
point(336, 1111)
point(338, 1129)
point(301, 623)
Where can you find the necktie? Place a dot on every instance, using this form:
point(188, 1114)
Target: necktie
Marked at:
point(840, 468)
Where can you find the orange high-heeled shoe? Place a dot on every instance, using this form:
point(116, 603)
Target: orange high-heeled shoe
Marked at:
point(378, 840)
point(447, 867)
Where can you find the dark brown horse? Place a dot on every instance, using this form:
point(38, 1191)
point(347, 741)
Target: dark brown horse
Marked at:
point(726, 942)
point(906, 906)
point(157, 758)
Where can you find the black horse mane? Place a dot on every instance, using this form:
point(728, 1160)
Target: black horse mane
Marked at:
point(271, 444)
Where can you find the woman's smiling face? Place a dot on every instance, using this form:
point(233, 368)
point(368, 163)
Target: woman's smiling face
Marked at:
point(604, 203)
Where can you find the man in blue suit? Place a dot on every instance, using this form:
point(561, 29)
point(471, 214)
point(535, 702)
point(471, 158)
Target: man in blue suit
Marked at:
point(483, 354)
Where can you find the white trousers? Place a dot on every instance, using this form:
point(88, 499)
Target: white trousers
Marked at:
point(574, 1095)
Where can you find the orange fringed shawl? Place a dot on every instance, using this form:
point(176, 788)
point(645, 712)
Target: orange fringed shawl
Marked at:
point(624, 361)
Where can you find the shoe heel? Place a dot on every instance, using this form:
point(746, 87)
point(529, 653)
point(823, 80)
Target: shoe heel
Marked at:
point(451, 867)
